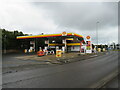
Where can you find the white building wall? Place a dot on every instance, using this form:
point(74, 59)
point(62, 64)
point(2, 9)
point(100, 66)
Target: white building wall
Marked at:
point(75, 48)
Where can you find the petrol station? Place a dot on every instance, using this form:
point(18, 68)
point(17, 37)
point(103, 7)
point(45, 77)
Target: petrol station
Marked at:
point(66, 42)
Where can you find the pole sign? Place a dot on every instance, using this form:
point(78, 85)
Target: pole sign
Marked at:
point(88, 45)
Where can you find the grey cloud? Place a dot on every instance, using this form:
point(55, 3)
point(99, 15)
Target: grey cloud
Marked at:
point(82, 16)
point(56, 17)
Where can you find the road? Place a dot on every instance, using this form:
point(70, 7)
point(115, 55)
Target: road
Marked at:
point(81, 74)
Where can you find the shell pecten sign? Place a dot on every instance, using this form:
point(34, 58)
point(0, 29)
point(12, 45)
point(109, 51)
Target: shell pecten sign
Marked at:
point(64, 33)
point(88, 37)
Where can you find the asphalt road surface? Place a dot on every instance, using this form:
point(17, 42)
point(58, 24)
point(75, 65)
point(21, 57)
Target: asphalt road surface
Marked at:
point(81, 74)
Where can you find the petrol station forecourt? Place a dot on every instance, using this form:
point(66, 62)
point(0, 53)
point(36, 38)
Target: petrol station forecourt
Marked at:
point(66, 42)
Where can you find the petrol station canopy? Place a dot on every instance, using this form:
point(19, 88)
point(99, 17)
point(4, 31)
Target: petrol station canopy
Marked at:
point(68, 41)
point(52, 35)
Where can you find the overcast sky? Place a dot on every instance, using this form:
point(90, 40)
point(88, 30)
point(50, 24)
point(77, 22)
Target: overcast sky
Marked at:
point(56, 17)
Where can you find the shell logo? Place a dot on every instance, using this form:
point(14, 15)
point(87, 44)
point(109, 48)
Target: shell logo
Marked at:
point(88, 37)
point(64, 33)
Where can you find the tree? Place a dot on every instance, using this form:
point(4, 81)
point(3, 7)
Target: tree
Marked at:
point(9, 40)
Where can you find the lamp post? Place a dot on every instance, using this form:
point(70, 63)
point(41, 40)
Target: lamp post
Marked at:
point(97, 34)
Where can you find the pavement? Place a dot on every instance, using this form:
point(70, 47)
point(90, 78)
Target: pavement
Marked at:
point(81, 74)
point(114, 83)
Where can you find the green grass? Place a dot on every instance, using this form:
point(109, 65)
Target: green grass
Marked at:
point(116, 50)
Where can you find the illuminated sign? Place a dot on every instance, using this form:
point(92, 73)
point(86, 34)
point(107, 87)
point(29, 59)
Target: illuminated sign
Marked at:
point(69, 38)
point(88, 37)
point(64, 34)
